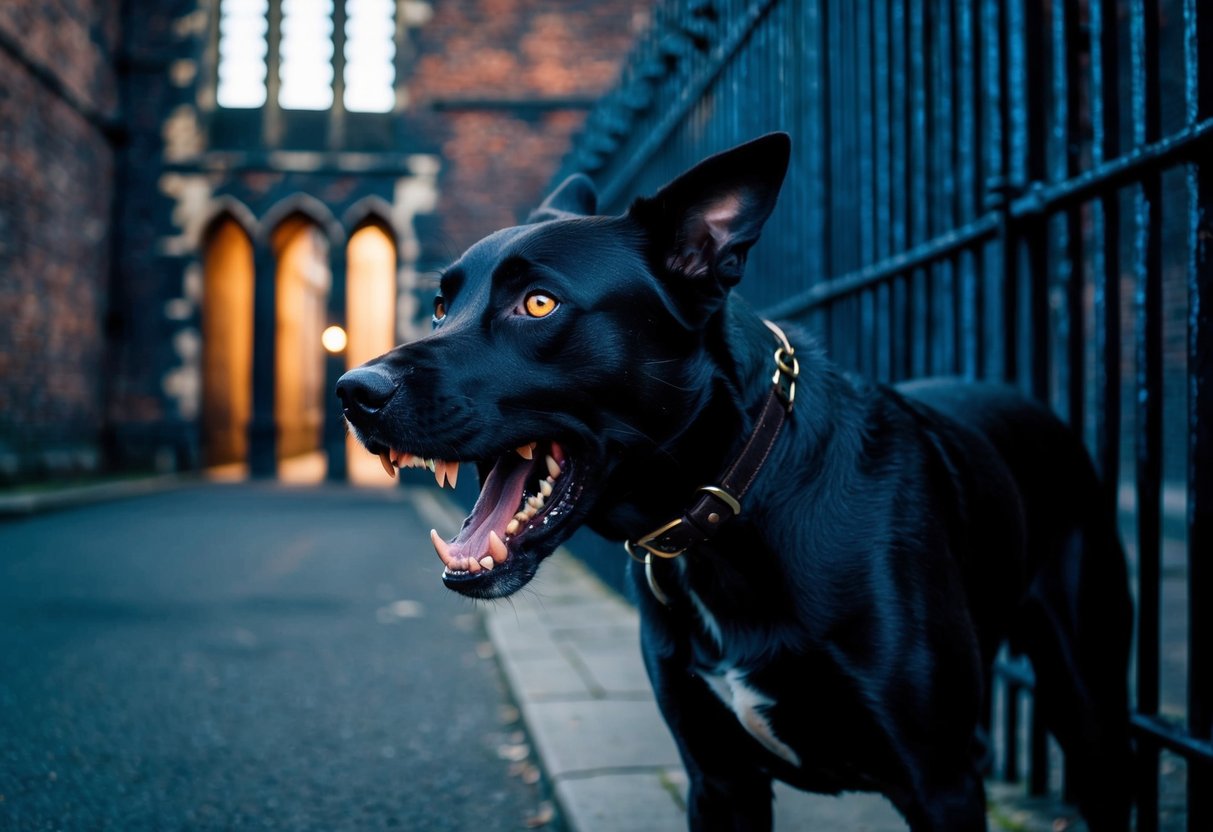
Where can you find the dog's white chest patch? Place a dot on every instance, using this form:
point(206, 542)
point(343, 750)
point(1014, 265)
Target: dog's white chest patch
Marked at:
point(748, 704)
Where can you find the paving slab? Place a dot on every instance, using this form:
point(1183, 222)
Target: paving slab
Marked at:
point(647, 802)
point(586, 736)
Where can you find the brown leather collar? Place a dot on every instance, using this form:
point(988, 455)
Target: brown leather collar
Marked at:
point(718, 504)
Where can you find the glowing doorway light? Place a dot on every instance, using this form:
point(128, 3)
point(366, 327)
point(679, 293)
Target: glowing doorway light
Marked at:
point(306, 52)
point(242, 50)
point(334, 339)
point(370, 56)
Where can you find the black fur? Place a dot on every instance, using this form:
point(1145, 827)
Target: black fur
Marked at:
point(893, 540)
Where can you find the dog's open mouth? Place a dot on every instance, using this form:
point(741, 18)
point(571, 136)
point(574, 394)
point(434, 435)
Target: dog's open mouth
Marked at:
point(525, 495)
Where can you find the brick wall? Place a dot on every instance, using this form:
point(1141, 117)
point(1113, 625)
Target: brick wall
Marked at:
point(56, 164)
point(498, 160)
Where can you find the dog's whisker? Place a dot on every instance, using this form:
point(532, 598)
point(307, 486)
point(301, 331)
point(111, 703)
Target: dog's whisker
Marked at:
point(670, 383)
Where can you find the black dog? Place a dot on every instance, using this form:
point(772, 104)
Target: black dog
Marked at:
point(861, 553)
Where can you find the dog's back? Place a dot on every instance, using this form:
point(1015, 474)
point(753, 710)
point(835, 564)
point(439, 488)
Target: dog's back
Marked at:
point(1075, 615)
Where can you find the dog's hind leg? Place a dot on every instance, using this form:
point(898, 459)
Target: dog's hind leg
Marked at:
point(951, 804)
point(740, 804)
point(1075, 626)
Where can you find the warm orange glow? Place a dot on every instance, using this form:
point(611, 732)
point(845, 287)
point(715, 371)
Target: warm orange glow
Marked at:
point(370, 316)
point(333, 339)
point(227, 344)
point(302, 286)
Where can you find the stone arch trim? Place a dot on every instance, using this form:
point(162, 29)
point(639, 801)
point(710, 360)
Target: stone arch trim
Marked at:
point(227, 208)
point(305, 205)
point(372, 210)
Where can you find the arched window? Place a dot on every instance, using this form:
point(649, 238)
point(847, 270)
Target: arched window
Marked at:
point(370, 56)
point(243, 49)
point(317, 40)
point(306, 55)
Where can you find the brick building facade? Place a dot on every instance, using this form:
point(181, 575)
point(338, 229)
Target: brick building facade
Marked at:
point(129, 196)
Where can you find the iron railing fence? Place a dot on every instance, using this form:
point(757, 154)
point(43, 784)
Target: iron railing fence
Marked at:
point(1004, 189)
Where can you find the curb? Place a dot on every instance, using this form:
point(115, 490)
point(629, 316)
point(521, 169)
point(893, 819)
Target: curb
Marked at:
point(36, 502)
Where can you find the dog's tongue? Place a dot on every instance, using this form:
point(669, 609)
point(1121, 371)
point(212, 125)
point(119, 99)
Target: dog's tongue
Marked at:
point(499, 499)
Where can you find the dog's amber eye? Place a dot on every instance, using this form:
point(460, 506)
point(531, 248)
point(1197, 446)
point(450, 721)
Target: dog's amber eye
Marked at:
point(539, 305)
point(439, 308)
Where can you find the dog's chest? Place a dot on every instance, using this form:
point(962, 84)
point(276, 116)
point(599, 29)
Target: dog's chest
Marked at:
point(752, 709)
point(731, 680)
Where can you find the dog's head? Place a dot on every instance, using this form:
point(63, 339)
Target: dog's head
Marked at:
point(560, 349)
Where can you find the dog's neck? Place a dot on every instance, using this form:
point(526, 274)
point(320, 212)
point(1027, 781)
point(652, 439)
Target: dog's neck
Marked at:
point(740, 349)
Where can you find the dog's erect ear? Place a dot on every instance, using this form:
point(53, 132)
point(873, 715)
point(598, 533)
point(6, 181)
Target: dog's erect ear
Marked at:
point(576, 197)
point(701, 225)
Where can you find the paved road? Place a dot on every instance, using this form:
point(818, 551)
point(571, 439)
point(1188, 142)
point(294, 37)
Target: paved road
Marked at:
point(247, 657)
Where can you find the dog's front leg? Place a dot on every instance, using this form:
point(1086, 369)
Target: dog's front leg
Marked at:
point(728, 790)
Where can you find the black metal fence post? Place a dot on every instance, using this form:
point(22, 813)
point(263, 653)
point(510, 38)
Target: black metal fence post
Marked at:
point(1198, 24)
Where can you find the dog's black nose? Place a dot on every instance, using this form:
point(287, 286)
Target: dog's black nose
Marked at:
point(365, 389)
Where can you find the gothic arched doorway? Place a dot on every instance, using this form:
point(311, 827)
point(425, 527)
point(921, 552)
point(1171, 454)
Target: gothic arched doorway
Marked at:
point(227, 343)
point(370, 321)
point(302, 282)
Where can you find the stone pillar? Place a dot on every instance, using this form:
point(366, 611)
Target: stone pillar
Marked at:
point(334, 363)
point(263, 430)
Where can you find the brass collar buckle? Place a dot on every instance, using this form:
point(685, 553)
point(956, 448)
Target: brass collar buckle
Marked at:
point(646, 543)
point(668, 551)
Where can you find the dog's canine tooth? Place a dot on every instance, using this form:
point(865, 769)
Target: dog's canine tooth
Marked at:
point(487, 563)
point(442, 548)
point(497, 549)
point(545, 488)
point(439, 470)
point(512, 526)
point(452, 473)
point(526, 451)
point(385, 459)
point(553, 467)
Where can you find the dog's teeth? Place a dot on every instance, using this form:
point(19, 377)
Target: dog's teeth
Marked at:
point(487, 563)
point(386, 460)
point(545, 488)
point(512, 526)
point(497, 550)
point(553, 467)
point(522, 516)
point(439, 470)
point(429, 463)
point(452, 473)
point(526, 451)
point(473, 565)
point(535, 502)
point(442, 548)
point(404, 460)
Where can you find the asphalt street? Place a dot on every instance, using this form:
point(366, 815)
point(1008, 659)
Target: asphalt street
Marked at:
point(249, 657)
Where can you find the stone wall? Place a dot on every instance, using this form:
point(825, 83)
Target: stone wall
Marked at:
point(58, 104)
